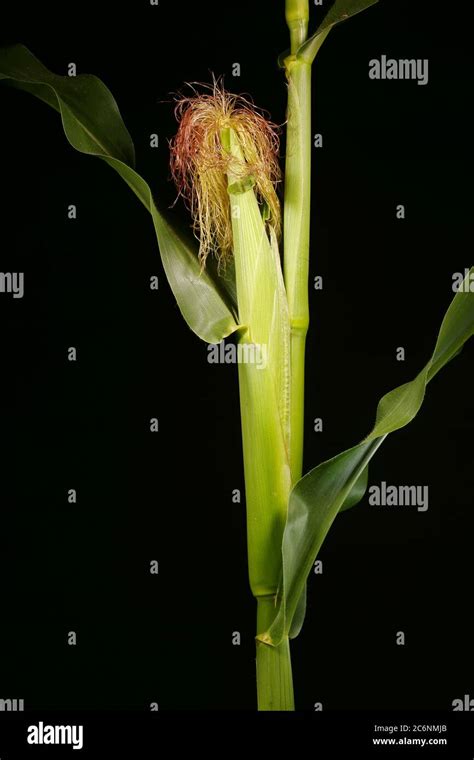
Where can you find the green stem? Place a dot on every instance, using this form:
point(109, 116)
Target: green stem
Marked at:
point(297, 16)
point(296, 242)
point(274, 677)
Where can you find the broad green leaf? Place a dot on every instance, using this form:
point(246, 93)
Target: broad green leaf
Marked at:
point(339, 11)
point(358, 490)
point(93, 125)
point(318, 496)
point(300, 614)
point(354, 497)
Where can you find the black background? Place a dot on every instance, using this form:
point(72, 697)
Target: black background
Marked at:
point(141, 496)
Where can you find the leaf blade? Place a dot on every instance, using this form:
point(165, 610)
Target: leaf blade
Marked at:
point(93, 125)
point(318, 497)
point(340, 11)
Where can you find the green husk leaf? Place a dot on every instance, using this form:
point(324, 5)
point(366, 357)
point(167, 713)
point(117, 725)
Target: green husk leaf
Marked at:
point(93, 125)
point(241, 185)
point(264, 388)
point(340, 11)
point(318, 496)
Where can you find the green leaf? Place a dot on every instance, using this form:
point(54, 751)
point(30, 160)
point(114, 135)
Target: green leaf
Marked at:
point(318, 496)
point(203, 301)
point(93, 125)
point(299, 616)
point(357, 492)
point(341, 10)
point(281, 60)
point(353, 498)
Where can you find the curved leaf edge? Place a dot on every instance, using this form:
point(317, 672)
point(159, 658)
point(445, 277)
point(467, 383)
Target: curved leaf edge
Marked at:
point(340, 11)
point(395, 410)
point(47, 85)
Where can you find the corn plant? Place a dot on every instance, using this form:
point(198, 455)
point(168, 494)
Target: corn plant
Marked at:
point(247, 276)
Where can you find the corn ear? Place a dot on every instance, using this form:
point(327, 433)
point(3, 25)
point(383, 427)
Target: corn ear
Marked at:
point(264, 385)
point(265, 410)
